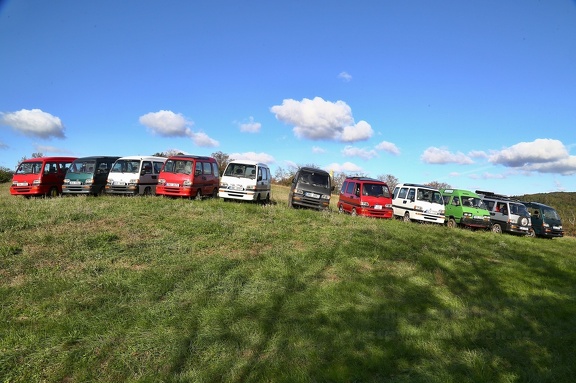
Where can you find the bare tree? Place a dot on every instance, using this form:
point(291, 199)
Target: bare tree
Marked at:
point(223, 159)
point(390, 180)
point(438, 185)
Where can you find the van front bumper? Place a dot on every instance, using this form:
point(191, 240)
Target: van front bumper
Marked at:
point(475, 223)
point(248, 195)
point(122, 189)
point(375, 213)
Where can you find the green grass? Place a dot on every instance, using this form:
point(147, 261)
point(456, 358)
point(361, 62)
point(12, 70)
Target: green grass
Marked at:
point(167, 290)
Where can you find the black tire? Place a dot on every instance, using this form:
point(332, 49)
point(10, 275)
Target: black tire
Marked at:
point(451, 223)
point(147, 191)
point(406, 217)
point(53, 192)
point(523, 221)
point(496, 228)
point(198, 196)
point(354, 212)
point(531, 233)
point(340, 209)
point(215, 193)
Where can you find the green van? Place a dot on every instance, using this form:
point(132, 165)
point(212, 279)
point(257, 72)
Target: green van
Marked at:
point(87, 175)
point(465, 208)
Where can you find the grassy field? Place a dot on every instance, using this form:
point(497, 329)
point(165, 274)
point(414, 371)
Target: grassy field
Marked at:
point(153, 289)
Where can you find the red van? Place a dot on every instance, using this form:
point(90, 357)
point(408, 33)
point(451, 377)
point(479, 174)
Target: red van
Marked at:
point(365, 196)
point(189, 176)
point(40, 176)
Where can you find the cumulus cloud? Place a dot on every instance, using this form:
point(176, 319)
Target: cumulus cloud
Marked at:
point(525, 153)
point(250, 126)
point(50, 149)
point(169, 124)
point(434, 155)
point(318, 119)
point(260, 157)
point(345, 76)
point(346, 167)
point(351, 151)
point(34, 123)
point(318, 150)
point(388, 147)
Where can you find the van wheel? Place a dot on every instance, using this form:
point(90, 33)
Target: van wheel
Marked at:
point(340, 209)
point(406, 217)
point(267, 201)
point(531, 233)
point(496, 228)
point(198, 196)
point(53, 192)
point(215, 193)
point(354, 212)
point(452, 223)
point(147, 191)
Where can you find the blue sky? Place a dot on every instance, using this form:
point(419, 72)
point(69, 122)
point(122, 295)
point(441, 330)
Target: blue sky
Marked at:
point(477, 94)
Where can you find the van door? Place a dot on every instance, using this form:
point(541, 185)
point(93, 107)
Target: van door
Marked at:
point(148, 179)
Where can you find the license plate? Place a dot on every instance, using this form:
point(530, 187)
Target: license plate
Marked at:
point(236, 188)
point(556, 227)
point(378, 207)
point(172, 185)
point(120, 183)
point(75, 183)
point(22, 184)
point(312, 195)
point(523, 228)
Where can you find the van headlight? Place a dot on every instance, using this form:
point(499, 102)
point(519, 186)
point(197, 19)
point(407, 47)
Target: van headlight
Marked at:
point(89, 181)
point(224, 185)
point(161, 181)
point(36, 182)
point(187, 183)
point(66, 180)
point(325, 196)
point(364, 204)
point(298, 191)
point(419, 208)
point(133, 182)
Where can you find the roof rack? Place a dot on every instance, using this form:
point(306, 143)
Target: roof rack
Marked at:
point(420, 186)
point(360, 178)
point(497, 196)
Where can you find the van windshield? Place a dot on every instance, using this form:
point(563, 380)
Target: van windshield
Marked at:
point(178, 166)
point(241, 171)
point(29, 168)
point(474, 202)
point(82, 167)
point(548, 212)
point(428, 195)
point(315, 179)
point(518, 209)
point(126, 166)
point(375, 190)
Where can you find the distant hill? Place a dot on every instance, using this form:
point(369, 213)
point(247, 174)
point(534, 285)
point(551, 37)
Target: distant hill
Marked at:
point(563, 202)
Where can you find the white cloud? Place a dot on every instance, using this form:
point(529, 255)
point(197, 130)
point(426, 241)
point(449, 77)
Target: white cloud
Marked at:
point(526, 153)
point(49, 149)
point(318, 150)
point(345, 76)
point(250, 126)
point(434, 155)
point(169, 124)
point(565, 166)
point(34, 123)
point(322, 120)
point(351, 151)
point(202, 139)
point(477, 154)
point(346, 167)
point(260, 157)
point(388, 147)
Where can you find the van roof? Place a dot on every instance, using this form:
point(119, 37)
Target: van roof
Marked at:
point(97, 158)
point(36, 159)
point(248, 162)
point(419, 186)
point(460, 192)
point(367, 179)
point(149, 158)
point(189, 156)
point(313, 170)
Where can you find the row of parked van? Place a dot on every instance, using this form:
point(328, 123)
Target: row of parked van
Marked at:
point(177, 176)
point(198, 176)
point(453, 207)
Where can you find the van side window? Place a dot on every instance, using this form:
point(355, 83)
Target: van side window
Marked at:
point(489, 204)
point(343, 188)
point(456, 201)
point(198, 169)
point(207, 167)
point(411, 194)
point(215, 169)
point(157, 166)
point(402, 193)
point(50, 167)
point(350, 188)
point(147, 167)
point(259, 174)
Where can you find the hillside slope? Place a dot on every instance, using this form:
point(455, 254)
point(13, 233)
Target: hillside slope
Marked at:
point(563, 202)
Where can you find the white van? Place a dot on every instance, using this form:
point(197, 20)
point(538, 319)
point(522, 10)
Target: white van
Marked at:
point(134, 175)
point(246, 180)
point(418, 202)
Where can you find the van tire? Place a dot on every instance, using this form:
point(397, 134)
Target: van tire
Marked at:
point(215, 193)
point(531, 233)
point(147, 191)
point(406, 217)
point(198, 196)
point(267, 201)
point(354, 212)
point(451, 223)
point(340, 209)
point(496, 228)
point(53, 192)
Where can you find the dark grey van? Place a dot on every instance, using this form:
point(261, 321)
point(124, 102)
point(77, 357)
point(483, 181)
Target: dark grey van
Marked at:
point(311, 187)
point(87, 175)
point(546, 221)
